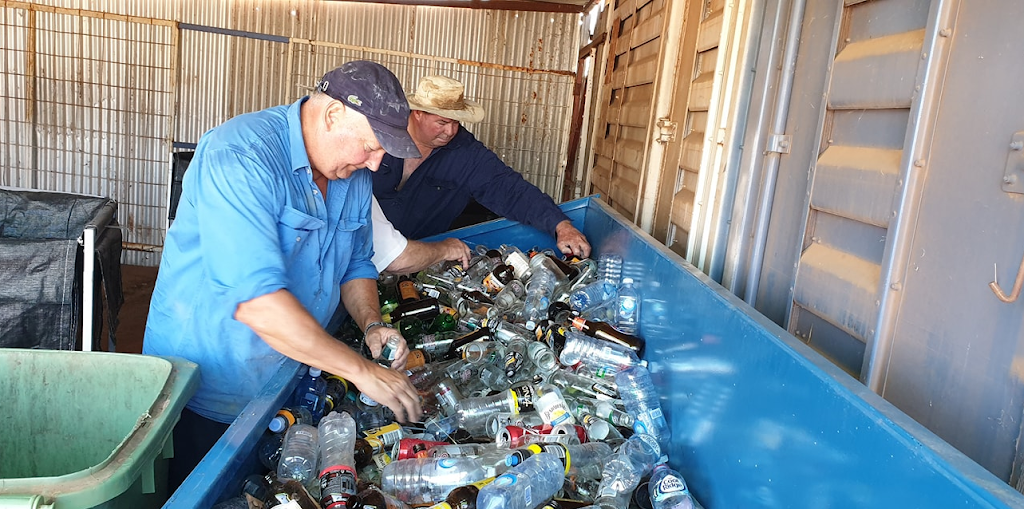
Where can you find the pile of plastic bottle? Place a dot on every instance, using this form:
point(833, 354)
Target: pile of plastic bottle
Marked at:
point(533, 390)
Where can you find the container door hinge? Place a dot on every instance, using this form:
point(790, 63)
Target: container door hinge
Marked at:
point(666, 130)
point(1013, 174)
point(779, 143)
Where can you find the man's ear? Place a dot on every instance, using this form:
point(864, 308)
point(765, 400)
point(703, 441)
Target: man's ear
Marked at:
point(334, 113)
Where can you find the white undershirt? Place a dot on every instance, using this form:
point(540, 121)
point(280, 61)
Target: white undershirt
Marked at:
point(388, 242)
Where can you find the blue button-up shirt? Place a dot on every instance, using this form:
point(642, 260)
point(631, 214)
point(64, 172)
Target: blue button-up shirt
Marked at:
point(251, 221)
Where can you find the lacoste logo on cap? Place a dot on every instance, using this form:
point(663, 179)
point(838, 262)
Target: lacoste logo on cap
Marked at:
point(354, 99)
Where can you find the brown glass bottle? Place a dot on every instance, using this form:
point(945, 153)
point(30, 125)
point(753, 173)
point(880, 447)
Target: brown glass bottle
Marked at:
point(602, 330)
point(407, 291)
point(464, 497)
point(283, 492)
point(374, 498)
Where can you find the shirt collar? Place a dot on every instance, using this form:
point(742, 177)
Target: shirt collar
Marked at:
point(297, 146)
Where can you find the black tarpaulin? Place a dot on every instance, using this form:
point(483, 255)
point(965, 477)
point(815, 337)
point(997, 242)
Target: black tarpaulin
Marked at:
point(41, 267)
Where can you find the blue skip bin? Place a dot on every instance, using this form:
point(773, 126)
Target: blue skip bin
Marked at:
point(758, 418)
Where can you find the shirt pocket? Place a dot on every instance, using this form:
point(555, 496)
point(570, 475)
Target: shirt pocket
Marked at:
point(352, 236)
point(298, 232)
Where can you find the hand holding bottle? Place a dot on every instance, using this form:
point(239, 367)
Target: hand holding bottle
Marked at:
point(378, 336)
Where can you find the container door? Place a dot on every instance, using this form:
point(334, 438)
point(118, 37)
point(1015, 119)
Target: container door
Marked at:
point(898, 200)
point(622, 138)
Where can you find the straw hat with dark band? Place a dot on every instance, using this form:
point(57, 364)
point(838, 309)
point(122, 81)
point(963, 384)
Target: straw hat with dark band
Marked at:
point(444, 96)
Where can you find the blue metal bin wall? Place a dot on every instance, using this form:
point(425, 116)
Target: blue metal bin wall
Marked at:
point(758, 418)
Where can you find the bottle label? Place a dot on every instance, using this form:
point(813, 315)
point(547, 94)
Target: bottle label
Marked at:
point(553, 409)
point(504, 480)
point(493, 284)
point(381, 460)
point(558, 450)
point(446, 463)
point(513, 363)
point(388, 435)
point(523, 397)
point(667, 487)
point(337, 484)
point(368, 401)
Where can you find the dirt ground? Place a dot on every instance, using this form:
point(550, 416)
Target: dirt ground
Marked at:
point(137, 283)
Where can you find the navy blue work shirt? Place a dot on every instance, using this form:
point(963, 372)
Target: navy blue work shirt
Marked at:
point(442, 185)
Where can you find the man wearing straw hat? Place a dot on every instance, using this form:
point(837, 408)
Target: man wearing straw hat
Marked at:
point(422, 195)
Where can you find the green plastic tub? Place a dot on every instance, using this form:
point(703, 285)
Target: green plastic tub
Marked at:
point(88, 429)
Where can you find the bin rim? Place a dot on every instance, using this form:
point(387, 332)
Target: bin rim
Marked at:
point(131, 457)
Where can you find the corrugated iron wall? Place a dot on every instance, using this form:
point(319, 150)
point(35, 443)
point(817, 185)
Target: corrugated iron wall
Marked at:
point(96, 92)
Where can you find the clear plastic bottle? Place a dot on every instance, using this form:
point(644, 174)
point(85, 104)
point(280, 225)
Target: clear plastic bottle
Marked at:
point(640, 398)
point(299, 454)
point(426, 480)
point(609, 268)
point(269, 450)
point(580, 460)
point(592, 294)
point(337, 436)
point(473, 412)
point(627, 318)
point(311, 393)
point(668, 490)
point(538, 294)
point(622, 472)
point(525, 486)
point(599, 356)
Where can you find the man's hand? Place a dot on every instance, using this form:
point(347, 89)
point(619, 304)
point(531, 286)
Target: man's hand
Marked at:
point(456, 250)
point(377, 336)
point(392, 389)
point(570, 240)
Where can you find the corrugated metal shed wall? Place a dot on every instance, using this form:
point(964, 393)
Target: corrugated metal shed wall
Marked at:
point(113, 94)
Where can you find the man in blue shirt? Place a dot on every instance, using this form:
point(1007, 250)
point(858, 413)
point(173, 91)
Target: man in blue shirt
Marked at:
point(272, 233)
point(421, 195)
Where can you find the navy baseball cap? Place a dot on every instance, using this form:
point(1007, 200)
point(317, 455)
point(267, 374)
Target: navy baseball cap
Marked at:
point(372, 90)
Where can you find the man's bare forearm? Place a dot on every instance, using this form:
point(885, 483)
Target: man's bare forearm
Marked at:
point(419, 255)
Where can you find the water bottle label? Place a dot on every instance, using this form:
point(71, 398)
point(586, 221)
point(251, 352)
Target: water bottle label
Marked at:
point(627, 306)
point(446, 463)
point(668, 486)
point(381, 460)
point(505, 480)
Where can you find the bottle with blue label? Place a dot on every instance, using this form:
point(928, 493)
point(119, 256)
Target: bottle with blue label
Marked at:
point(311, 394)
point(627, 316)
point(668, 490)
point(524, 486)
